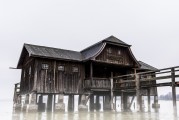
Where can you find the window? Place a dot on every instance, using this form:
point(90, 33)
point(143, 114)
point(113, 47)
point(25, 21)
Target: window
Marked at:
point(75, 69)
point(61, 68)
point(45, 66)
point(109, 50)
point(119, 52)
point(30, 70)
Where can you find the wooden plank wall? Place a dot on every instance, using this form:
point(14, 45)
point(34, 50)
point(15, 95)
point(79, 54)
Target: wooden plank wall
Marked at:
point(52, 80)
point(116, 55)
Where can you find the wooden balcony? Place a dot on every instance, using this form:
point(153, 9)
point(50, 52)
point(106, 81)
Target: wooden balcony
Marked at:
point(97, 83)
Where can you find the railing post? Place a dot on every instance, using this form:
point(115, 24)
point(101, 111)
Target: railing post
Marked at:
point(174, 91)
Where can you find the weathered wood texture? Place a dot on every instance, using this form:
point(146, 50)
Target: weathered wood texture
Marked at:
point(52, 79)
point(116, 55)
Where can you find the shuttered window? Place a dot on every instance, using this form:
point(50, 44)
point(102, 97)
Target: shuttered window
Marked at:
point(75, 69)
point(61, 68)
point(45, 66)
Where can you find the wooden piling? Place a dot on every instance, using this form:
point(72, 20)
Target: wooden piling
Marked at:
point(138, 96)
point(111, 99)
point(49, 102)
point(41, 105)
point(97, 103)
point(148, 99)
point(71, 103)
point(92, 103)
point(174, 91)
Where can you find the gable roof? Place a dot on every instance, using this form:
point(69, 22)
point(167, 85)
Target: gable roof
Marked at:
point(61, 54)
point(145, 66)
point(49, 52)
point(92, 50)
point(113, 39)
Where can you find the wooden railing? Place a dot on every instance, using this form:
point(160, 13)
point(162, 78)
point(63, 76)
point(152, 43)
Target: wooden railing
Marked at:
point(97, 83)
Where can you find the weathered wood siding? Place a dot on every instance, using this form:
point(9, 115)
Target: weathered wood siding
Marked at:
point(27, 75)
point(53, 80)
point(116, 55)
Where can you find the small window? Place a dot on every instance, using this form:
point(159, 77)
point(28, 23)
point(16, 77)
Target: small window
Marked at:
point(61, 68)
point(45, 66)
point(119, 52)
point(30, 70)
point(75, 69)
point(109, 50)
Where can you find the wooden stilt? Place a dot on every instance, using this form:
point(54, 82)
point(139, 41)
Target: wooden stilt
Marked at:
point(115, 103)
point(174, 91)
point(138, 105)
point(148, 98)
point(49, 102)
point(41, 105)
point(111, 100)
point(92, 103)
point(97, 103)
point(71, 103)
point(133, 97)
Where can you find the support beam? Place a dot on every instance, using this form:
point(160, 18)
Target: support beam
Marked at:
point(98, 105)
point(132, 100)
point(138, 96)
point(92, 103)
point(32, 106)
point(82, 106)
point(111, 99)
point(124, 102)
point(71, 103)
point(60, 106)
point(107, 103)
point(174, 91)
point(148, 99)
point(49, 102)
point(91, 73)
point(26, 102)
point(41, 105)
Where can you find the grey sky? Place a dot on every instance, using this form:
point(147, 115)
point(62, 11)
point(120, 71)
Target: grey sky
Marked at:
point(150, 26)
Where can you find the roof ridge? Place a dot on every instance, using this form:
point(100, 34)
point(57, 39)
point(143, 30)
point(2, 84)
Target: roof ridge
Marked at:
point(51, 47)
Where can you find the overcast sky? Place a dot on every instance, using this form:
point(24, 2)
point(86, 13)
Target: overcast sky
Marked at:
point(150, 26)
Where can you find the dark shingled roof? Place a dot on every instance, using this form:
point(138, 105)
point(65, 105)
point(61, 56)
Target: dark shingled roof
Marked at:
point(48, 52)
point(56, 53)
point(145, 66)
point(115, 40)
point(92, 50)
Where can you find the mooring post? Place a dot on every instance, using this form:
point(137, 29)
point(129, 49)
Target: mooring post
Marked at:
point(148, 98)
point(174, 91)
point(138, 96)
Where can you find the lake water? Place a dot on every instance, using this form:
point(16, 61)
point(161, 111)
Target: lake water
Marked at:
point(164, 113)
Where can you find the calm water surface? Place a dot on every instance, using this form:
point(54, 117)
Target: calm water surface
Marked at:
point(164, 113)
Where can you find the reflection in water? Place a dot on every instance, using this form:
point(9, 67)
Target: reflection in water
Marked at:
point(17, 115)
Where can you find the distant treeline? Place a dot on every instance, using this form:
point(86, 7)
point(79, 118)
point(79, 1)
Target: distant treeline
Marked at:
point(168, 96)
